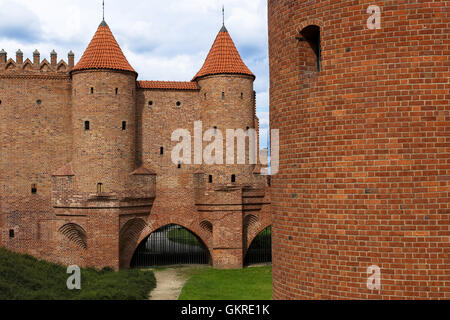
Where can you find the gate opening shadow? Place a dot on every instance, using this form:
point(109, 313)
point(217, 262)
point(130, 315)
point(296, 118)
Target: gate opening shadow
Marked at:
point(260, 250)
point(170, 245)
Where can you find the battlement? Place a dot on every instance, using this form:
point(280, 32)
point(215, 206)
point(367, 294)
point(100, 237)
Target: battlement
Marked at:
point(19, 66)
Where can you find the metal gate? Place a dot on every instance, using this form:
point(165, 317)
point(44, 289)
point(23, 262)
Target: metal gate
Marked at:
point(170, 245)
point(260, 250)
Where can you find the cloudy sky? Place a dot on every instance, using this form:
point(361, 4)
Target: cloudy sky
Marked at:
point(163, 40)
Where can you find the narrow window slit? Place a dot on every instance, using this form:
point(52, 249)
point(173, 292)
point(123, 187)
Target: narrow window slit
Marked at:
point(311, 34)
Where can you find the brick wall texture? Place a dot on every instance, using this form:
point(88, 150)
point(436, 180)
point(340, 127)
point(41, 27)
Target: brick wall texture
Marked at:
point(364, 149)
point(103, 189)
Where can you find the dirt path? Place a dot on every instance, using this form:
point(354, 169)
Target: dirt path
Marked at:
point(170, 282)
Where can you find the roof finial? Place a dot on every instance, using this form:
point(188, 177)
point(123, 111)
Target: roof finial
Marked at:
point(223, 15)
point(103, 23)
point(223, 20)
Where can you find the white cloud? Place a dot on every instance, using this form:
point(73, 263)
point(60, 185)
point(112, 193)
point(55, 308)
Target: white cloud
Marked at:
point(18, 21)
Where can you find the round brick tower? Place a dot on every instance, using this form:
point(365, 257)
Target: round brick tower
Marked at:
point(104, 122)
point(361, 98)
point(227, 103)
point(228, 115)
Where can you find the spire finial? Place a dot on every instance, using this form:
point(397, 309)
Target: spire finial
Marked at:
point(103, 23)
point(223, 20)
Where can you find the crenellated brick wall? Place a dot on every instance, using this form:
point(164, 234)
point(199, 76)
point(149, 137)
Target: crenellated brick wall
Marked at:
point(35, 138)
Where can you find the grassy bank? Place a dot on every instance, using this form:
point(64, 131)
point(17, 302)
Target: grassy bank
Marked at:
point(23, 277)
point(245, 284)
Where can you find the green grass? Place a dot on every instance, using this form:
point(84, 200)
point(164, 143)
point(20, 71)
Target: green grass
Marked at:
point(23, 277)
point(183, 236)
point(245, 284)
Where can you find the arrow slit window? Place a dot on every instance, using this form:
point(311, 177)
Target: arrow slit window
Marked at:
point(311, 50)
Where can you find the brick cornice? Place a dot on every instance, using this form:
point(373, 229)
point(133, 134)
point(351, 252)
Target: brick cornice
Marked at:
point(35, 76)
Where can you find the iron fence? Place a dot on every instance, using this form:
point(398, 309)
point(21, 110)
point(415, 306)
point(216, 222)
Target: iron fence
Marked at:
point(260, 250)
point(170, 245)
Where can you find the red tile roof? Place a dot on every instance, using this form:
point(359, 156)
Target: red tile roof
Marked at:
point(223, 58)
point(168, 85)
point(103, 53)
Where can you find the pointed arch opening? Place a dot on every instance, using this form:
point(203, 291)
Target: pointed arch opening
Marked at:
point(310, 39)
point(171, 245)
point(260, 250)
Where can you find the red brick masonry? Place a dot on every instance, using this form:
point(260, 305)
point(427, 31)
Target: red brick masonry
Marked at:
point(82, 177)
point(364, 149)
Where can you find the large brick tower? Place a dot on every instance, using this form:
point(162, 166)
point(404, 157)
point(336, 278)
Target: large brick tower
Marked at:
point(102, 183)
point(363, 112)
point(103, 117)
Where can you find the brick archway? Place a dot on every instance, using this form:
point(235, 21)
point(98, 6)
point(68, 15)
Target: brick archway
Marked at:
point(259, 247)
point(253, 235)
point(137, 230)
point(309, 22)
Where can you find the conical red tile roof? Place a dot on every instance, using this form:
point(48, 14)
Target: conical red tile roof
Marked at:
point(103, 52)
point(223, 58)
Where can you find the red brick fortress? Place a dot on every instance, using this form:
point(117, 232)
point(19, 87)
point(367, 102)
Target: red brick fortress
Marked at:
point(364, 114)
point(86, 172)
